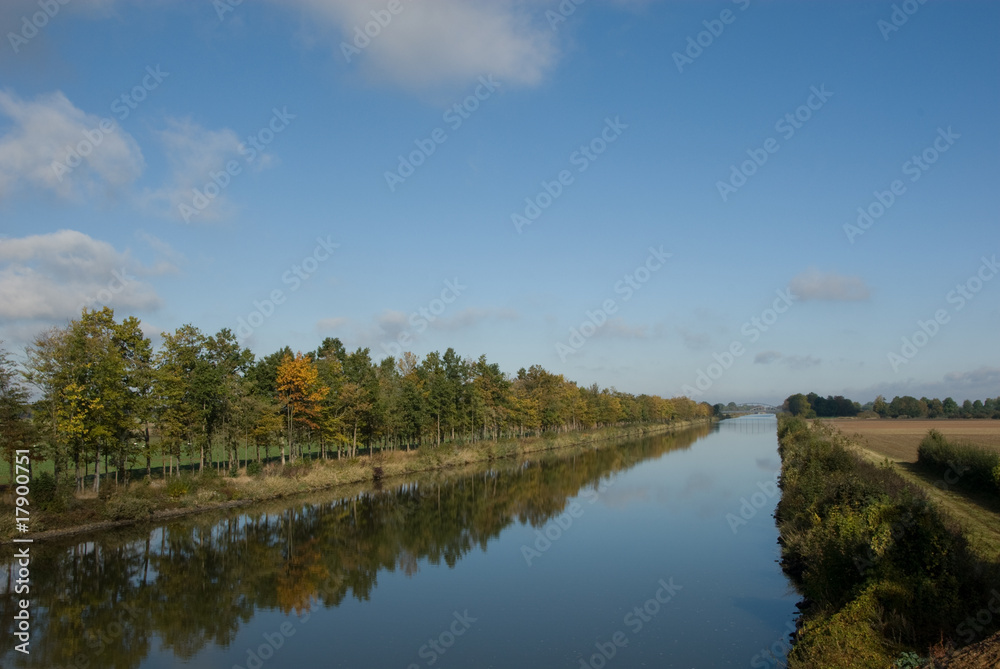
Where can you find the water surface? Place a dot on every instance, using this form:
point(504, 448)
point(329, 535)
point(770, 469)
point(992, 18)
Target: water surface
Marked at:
point(655, 553)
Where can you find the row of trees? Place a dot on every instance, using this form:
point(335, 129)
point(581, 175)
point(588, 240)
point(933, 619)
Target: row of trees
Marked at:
point(103, 393)
point(815, 406)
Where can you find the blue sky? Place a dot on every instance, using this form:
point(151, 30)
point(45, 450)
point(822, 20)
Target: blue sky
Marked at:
point(675, 199)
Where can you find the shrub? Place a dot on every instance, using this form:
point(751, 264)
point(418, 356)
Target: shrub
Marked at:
point(122, 506)
point(976, 467)
point(44, 491)
point(234, 471)
point(254, 468)
point(178, 487)
point(910, 661)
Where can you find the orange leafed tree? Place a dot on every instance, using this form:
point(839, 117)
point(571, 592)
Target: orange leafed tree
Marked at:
point(301, 392)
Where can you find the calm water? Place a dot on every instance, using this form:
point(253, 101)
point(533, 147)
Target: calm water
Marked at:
point(657, 553)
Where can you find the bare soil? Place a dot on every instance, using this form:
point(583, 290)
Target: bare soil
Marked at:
point(898, 439)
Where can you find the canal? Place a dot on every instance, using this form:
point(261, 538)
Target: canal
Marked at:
point(659, 552)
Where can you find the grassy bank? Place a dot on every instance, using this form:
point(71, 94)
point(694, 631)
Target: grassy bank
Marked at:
point(885, 576)
point(57, 512)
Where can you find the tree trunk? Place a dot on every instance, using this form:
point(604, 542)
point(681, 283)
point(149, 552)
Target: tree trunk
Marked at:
point(97, 470)
point(289, 435)
point(76, 464)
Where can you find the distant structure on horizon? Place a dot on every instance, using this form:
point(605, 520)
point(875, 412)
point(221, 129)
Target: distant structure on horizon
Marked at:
point(750, 408)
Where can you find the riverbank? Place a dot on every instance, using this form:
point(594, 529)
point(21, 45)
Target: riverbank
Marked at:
point(886, 576)
point(156, 501)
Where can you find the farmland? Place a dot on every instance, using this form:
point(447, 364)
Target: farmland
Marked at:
point(898, 439)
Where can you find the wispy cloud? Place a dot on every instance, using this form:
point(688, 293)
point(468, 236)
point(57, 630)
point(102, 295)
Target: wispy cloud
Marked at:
point(696, 341)
point(194, 153)
point(617, 328)
point(766, 357)
point(333, 324)
point(978, 383)
point(816, 285)
point(796, 362)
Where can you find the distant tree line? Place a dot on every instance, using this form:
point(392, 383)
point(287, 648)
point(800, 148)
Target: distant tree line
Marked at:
point(815, 406)
point(104, 395)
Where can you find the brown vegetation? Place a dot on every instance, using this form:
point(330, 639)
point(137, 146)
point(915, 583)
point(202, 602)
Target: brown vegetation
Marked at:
point(898, 439)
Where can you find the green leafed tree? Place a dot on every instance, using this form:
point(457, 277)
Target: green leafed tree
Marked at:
point(15, 426)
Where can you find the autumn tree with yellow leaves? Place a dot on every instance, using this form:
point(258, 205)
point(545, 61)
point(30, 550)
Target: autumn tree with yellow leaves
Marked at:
point(301, 392)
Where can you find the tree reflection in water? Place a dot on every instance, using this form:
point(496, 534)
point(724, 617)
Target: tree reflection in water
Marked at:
point(98, 601)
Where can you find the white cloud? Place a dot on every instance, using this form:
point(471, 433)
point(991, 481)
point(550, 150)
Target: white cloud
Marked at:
point(194, 154)
point(52, 276)
point(49, 130)
point(428, 44)
point(815, 285)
